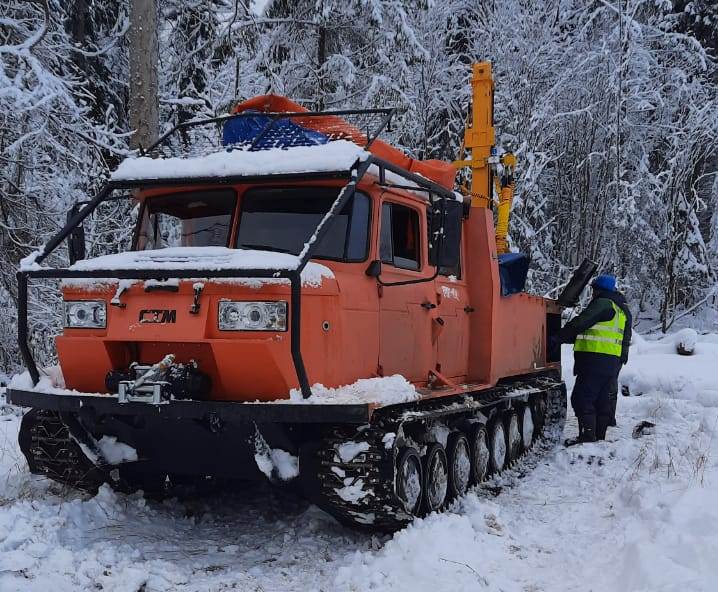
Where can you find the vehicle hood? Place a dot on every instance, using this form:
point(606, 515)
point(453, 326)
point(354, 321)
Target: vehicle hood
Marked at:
point(207, 259)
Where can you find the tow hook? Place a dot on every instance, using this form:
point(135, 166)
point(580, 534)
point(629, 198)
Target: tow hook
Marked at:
point(194, 309)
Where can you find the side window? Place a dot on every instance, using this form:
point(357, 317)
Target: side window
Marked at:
point(399, 242)
point(444, 270)
point(453, 271)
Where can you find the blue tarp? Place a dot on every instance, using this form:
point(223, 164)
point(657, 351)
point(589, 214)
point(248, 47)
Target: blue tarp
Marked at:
point(283, 134)
point(513, 269)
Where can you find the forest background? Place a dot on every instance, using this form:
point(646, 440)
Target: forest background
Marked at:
point(611, 107)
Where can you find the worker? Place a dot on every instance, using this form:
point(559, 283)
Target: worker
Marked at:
point(601, 335)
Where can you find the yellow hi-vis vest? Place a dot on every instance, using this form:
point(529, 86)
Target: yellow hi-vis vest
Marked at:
point(605, 337)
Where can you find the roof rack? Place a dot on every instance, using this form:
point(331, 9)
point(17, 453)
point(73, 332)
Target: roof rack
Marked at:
point(259, 130)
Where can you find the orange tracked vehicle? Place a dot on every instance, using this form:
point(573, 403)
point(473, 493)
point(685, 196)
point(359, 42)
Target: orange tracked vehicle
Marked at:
point(300, 250)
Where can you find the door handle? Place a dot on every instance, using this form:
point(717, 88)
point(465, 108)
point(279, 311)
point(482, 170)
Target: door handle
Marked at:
point(428, 305)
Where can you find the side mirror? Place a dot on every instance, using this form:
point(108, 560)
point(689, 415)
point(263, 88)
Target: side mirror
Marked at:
point(374, 269)
point(447, 251)
point(76, 239)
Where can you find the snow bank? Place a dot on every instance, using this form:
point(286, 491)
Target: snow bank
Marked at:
point(203, 259)
point(634, 515)
point(655, 368)
point(334, 156)
point(628, 515)
point(387, 390)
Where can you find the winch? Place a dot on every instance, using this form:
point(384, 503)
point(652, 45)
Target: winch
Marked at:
point(159, 383)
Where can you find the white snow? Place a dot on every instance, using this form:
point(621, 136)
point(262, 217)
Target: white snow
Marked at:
point(51, 379)
point(276, 460)
point(627, 515)
point(51, 382)
point(116, 452)
point(334, 156)
point(349, 450)
point(387, 390)
point(686, 339)
point(352, 491)
point(202, 259)
point(28, 263)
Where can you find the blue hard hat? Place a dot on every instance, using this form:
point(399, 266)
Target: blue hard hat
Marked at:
point(605, 281)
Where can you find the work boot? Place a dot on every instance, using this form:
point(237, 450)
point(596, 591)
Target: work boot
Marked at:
point(602, 424)
point(586, 432)
point(589, 429)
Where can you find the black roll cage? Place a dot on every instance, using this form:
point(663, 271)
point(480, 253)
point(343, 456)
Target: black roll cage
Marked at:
point(354, 175)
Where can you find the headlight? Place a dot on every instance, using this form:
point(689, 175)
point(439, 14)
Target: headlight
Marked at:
point(87, 314)
point(252, 316)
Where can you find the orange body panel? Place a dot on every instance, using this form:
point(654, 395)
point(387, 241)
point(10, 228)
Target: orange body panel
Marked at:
point(351, 327)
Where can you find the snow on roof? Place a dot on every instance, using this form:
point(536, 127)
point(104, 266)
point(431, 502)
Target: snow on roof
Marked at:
point(205, 259)
point(334, 156)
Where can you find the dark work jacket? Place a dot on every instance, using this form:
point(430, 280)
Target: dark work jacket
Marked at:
point(598, 310)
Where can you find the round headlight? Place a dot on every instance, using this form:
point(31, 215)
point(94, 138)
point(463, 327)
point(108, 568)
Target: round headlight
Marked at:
point(255, 317)
point(88, 314)
point(252, 316)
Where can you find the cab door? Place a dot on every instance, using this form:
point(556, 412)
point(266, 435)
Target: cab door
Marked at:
point(406, 312)
point(452, 295)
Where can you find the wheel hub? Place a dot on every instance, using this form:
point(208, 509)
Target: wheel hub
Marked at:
point(498, 446)
point(437, 479)
point(409, 483)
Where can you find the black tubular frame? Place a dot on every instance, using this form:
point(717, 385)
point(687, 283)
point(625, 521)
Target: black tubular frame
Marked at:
point(274, 117)
point(372, 165)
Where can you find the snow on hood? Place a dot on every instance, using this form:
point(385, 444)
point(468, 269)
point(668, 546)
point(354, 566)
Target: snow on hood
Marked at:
point(334, 156)
point(205, 259)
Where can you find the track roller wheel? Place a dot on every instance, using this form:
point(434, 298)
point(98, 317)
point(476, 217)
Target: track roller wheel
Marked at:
point(513, 434)
point(479, 443)
point(539, 414)
point(459, 458)
point(498, 447)
point(436, 478)
point(527, 427)
point(409, 480)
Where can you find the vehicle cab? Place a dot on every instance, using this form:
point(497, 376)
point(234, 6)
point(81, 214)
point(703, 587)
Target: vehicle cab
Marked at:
point(351, 326)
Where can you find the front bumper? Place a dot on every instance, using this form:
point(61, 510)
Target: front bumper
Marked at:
point(226, 411)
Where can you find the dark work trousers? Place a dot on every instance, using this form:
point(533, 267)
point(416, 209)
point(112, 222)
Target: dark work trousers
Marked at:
point(591, 401)
point(613, 400)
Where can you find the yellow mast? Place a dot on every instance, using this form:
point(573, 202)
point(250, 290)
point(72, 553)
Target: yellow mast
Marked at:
point(480, 138)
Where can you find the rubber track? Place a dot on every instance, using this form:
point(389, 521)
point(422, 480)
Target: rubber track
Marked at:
point(50, 450)
point(360, 492)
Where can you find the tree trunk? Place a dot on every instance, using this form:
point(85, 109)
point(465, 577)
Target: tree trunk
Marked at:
point(144, 49)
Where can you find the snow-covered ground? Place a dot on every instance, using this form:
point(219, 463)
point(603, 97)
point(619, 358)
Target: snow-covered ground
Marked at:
point(625, 515)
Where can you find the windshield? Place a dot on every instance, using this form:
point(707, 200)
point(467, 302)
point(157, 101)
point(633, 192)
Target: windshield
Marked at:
point(189, 219)
point(283, 219)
